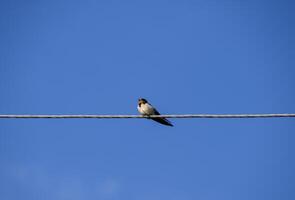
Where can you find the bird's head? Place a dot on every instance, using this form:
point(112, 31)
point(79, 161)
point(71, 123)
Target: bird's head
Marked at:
point(142, 101)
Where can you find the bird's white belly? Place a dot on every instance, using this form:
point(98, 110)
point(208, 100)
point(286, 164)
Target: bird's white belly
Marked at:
point(146, 109)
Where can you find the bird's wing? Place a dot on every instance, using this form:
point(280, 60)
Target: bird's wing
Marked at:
point(156, 112)
point(161, 120)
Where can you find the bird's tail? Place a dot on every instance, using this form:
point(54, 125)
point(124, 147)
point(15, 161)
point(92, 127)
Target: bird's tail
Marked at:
point(163, 121)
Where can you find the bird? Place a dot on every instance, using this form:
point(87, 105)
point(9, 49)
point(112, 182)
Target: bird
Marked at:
point(146, 109)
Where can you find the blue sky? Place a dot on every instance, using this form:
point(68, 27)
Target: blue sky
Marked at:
point(99, 57)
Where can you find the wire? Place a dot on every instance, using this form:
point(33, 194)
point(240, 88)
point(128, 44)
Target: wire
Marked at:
point(152, 116)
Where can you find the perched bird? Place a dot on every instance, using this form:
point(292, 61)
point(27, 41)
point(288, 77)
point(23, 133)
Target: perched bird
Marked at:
point(145, 108)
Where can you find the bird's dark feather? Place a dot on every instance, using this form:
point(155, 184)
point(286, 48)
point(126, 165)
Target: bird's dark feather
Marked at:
point(161, 120)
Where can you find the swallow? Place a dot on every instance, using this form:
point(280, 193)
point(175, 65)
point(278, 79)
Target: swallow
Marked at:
point(145, 108)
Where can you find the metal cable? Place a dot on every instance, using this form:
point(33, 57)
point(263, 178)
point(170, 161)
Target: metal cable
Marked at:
point(152, 116)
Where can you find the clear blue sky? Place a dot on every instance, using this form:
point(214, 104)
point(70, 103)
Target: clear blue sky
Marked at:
point(99, 57)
